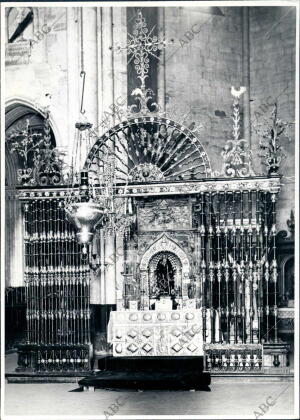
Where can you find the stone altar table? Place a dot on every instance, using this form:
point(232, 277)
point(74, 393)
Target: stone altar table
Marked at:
point(156, 333)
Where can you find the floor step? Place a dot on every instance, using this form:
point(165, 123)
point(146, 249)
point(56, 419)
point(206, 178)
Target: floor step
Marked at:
point(164, 363)
point(143, 380)
point(45, 377)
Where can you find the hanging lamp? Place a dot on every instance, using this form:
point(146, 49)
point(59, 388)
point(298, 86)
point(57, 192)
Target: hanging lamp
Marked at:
point(83, 207)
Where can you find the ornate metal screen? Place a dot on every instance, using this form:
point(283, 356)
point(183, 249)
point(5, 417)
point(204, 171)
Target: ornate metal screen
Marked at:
point(57, 291)
point(237, 275)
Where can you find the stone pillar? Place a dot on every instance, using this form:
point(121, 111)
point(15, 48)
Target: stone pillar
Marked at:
point(119, 272)
point(14, 270)
point(110, 272)
point(246, 76)
point(120, 60)
point(144, 290)
point(89, 15)
point(102, 268)
point(161, 69)
point(106, 98)
point(73, 70)
point(185, 283)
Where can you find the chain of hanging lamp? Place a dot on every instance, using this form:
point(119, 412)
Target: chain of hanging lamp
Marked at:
point(91, 199)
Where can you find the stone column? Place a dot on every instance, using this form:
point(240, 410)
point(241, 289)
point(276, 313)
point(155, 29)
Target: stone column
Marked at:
point(110, 272)
point(14, 270)
point(144, 291)
point(161, 69)
point(102, 269)
point(119, 272)
point(89, 15)
point(73, 70)
point(246, 76)
point(106, 86)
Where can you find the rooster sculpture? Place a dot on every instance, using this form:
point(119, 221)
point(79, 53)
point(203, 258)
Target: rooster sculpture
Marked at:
point(237, 93)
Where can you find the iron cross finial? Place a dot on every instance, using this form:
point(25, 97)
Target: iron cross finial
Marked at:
point(140, 45)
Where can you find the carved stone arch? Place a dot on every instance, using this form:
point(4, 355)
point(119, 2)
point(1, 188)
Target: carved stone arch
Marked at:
point(164, 243)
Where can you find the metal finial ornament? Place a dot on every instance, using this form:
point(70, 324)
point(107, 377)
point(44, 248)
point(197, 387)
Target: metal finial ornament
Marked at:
point(142, 44)
point(139, 47)
point(36, 149)
point(271, 131)
point(236, 153)
point(24, 142)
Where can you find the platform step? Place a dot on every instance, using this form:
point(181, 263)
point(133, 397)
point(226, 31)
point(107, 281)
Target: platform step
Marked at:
point(164, 363)
point(155, 380)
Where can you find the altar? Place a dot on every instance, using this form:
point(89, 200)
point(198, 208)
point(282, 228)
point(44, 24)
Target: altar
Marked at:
point(156, 333)
point(161, 332)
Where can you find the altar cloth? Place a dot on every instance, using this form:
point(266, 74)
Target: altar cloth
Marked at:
point(156, 333)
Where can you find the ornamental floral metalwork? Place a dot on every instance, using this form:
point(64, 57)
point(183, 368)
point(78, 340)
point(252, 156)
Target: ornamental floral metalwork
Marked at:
point(140, 45)
point(145, 172)
point(236, 153)
point(41, 162)
point(149, 149)
point(47, 160)
point(120, 218)
point(272, 130)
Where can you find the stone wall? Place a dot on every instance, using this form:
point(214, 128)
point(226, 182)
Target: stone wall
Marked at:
point(203, 63)
point(272, 78)
point(204, 60)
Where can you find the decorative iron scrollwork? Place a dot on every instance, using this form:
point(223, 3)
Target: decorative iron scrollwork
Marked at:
point(236, 153)
point(41, 162)
point(272, 130)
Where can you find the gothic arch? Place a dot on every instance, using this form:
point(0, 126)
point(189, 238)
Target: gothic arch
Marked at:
point(17, 103)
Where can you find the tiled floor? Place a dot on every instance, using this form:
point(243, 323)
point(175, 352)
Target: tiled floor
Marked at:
point(234, 397)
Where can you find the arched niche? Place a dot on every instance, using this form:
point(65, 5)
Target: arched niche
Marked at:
point(164, 244)
point(288, 277)
point(175, 263)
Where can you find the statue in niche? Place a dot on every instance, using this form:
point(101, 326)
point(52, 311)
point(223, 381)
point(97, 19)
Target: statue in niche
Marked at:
point(192, 289)
point(164, 275)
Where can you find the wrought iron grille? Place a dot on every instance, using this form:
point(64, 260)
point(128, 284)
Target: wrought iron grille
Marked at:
point(57, 284)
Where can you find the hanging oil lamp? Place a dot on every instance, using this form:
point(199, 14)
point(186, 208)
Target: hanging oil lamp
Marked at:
point(83, 207)
point(85, 212)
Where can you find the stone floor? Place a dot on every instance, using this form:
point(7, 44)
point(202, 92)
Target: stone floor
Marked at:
point(227, 397)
